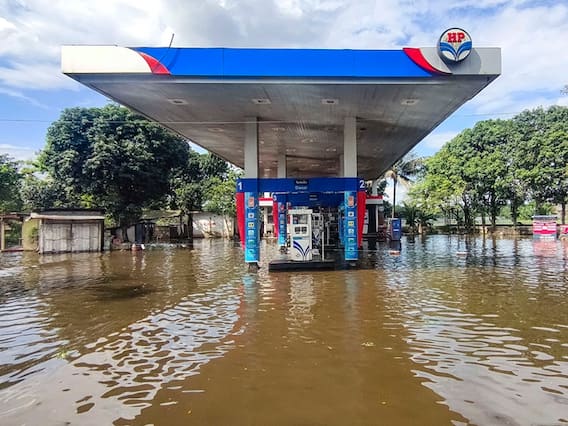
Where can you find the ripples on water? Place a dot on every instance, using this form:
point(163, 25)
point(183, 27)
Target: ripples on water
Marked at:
point(102, 339)
point(489, 331)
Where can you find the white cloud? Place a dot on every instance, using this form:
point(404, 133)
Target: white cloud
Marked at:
point(401, 192)
point(563, 101)
point(436, 140)
point(531, 34)
point(18, 152)
point(19, 95)
point(532, 42)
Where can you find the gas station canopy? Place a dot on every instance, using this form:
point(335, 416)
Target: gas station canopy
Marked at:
point(299, 98)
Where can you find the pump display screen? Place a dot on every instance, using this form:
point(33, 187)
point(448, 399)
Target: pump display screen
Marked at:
point(300, 219)
point(301, 230)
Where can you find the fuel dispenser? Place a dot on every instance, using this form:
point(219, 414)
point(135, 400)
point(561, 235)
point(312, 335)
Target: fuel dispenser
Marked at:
point(301, 234)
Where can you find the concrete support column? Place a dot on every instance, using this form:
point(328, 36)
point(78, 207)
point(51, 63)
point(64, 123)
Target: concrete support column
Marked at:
point(281, 165)
point(251, 148)
point(350, 147)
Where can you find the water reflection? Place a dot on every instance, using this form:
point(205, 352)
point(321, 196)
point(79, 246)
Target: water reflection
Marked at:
point(425, 336)
point(497, 325)
point(302, 299)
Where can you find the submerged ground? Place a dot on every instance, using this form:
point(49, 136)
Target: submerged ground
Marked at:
point(177, 336)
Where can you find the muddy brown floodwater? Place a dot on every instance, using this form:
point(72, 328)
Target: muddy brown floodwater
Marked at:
point(172, 336)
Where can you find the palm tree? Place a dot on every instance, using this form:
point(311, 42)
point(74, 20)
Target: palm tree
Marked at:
point(409, 211)
point(403, 170)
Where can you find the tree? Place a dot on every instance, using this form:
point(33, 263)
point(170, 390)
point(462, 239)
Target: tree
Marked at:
point(111, 158)
point(476, 172)
point(40, 194)
point(403, 170)
point(220, 195)
point(543, 154)
point(192, 185)
point(499, 162)
point(489, 166)
point(444, 188)
point(10, 179)
point(409, 212)
point(427, 208)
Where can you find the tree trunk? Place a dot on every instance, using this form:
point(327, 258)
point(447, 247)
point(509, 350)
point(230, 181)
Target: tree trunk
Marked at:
point(190, 227)
point(563, 212)
point(493, 215)
point(466, 216)
point(514, 213)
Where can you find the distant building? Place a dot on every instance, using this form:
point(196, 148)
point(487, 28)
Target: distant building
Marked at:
point(11, 231)
point(165, 226)
point(64, 231)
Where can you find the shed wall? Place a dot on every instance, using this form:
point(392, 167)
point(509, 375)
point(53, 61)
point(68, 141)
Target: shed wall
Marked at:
point(60, 237)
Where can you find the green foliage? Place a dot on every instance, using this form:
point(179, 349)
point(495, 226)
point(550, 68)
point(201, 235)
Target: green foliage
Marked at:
point(113, 159)
point(197, 182)
point(10, 179)
point(498, 163)
point(39, 194)
point(543, 153)
point(409, 212)
point(107, 158)
point(220, 194)
point(403, 171)
point(381, 186)
point(417, 213)
point(14, 233)
point(530, 209)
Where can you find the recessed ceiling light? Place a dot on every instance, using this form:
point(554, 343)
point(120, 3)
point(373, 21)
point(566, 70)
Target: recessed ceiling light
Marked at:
point(262, 142)
point(307, 140)
point(329, 101)
point(279, 129)
point(266, 170)
point(315, 164)
point(215, 129)
point(330, 149)
point(291, 150)
point(177, 101)
point(409, 102)
point(261, 101)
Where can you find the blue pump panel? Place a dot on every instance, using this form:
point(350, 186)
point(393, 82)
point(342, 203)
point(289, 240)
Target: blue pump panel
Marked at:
point(350, 226)
point(252, 237)
point(395, 229)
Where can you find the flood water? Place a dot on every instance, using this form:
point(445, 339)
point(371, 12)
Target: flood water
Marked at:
point(174, 336)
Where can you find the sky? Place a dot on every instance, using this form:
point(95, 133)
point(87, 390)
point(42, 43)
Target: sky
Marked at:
point(33, 91)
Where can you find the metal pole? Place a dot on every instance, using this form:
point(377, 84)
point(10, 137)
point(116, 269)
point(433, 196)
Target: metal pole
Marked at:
point(322, 244)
